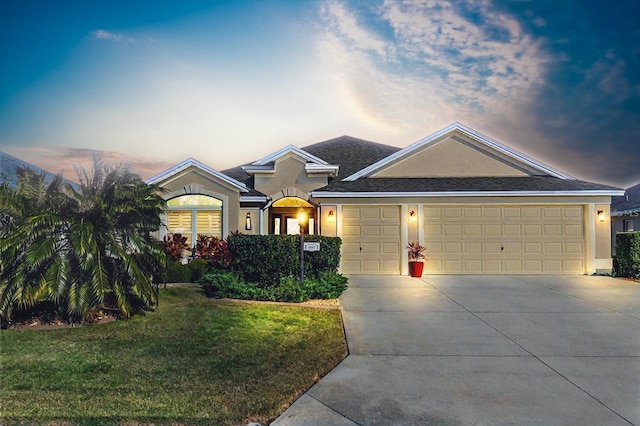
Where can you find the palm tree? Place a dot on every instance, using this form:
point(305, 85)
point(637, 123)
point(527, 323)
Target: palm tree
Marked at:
point(82, 250)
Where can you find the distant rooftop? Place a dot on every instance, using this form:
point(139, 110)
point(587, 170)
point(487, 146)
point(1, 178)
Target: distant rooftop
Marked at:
point(9, 166)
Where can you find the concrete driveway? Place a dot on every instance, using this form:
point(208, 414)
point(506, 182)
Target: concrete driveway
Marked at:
point(483, 350)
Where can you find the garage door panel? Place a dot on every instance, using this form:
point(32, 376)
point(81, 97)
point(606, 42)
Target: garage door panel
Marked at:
point(433, 229)
point(473, 266)
point(351, 231)
point(552, 212)
point(512, 230)
point(474, 230)
point(453, 230)
point(573, 230)
point(473, 248)
point(492, 266)
point(572, 213)
point(391, 248)
point(472, 212)
point(371, 239)
point(511, 248)
point(532, 230)
point(492, 230)
point(508, 239)
point(533, 248)
point(553, 248)
point(371, 231)
point(573, 248)
point(392, 231)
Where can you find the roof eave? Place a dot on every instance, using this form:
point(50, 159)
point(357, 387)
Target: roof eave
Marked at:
point(373, 194)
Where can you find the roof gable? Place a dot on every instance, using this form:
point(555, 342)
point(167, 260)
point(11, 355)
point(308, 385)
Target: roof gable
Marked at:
point(456, 151)
point(312, 163)
point(191, 162)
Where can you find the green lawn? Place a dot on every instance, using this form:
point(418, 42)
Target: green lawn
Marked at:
point(192, 361)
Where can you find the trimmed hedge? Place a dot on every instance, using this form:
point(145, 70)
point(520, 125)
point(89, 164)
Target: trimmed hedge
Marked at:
point(627, 257)
point(267, 259)
point(328, 285)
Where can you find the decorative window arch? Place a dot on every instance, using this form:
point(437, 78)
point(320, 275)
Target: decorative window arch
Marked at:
point(193, 214)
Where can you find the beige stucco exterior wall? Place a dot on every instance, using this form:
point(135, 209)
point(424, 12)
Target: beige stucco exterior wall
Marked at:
point(454, 157)
point(192, 181)
point(328, 227)
point(603, 233)
point(289, 173)
point(255, 221)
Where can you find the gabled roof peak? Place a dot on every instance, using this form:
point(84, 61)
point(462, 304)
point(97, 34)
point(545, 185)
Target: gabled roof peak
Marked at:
point(287, 150)
point(449, 130)
point(189, 162)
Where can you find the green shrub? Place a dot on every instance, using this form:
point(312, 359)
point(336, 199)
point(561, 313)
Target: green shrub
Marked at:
point(267, 259)
point(329, 285)
point(198, 268)
point(228, 285)
point(177, 272)
point(627, 256)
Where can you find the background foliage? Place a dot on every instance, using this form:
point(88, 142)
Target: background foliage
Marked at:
point(627, 256)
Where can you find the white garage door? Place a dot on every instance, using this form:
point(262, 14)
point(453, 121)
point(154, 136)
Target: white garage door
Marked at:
point(371, 240)
point(504, 239)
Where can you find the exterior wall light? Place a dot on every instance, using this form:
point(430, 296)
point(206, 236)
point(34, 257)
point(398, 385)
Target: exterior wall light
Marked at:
point(602, 216)
point(412, 217)
point(330, 217)
point(247, 222)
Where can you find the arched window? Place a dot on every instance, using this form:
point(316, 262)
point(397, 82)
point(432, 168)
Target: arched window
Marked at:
point(194, 214)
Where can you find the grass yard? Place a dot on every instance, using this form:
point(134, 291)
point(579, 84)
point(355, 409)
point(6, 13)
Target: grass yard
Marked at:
point(194, 361)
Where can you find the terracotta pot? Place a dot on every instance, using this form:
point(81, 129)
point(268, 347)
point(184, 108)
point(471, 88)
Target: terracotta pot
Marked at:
point(415, 269)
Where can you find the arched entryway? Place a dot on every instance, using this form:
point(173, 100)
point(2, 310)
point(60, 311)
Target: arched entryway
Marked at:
point(284, 214)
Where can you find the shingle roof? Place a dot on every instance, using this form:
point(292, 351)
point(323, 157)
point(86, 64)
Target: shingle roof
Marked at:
point(9, 166)
point(628, 203)
point(351, 154)
point(464, 184)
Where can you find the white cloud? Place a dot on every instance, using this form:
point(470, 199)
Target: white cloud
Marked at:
point(345, 24)
point(444, 66)
point(108, 35)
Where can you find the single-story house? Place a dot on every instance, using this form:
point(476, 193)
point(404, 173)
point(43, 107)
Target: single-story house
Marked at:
point(625, 213)
point(479, 206)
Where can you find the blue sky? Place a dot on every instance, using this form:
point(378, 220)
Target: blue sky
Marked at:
point(155, 82)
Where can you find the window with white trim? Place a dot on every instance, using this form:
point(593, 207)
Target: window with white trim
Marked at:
point(194, 214)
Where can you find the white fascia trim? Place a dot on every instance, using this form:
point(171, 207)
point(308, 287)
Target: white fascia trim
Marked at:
point(258, 169)
point(254, 199)
point(193, 162)
point(321, 168)
point(287, 149)
point(472, 134)
point(321, 194)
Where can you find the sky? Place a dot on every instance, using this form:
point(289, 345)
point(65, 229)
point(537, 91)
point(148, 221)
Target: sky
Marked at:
point(152, 83)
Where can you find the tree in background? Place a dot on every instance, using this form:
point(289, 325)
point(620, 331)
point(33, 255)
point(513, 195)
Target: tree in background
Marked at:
point(80, 251)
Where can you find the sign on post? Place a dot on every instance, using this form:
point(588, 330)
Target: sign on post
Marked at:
point(311, 246)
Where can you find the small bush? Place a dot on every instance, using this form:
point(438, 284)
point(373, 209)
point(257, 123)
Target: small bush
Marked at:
point(198, 268)
point(177, 272)
point(627, 256)
point(228, 285)
point(329, 285)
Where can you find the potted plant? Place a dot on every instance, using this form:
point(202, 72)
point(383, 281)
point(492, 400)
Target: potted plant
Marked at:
point(416, 255)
